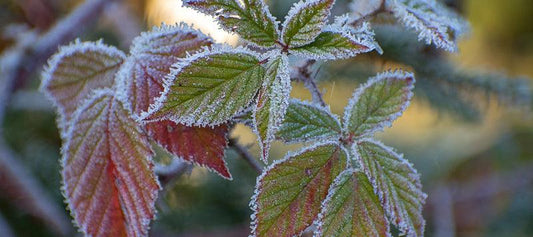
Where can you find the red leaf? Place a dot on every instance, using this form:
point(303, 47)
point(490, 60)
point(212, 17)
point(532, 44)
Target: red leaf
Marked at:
point(200, 145)
point(107, 171)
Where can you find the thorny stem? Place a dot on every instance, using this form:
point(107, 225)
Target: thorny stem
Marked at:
point(243, 152)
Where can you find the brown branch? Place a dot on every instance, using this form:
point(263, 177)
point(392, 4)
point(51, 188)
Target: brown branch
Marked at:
point(243, 152)
point(305, 75)
point(168, 174)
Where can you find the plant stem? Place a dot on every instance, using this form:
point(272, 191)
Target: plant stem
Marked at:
point(243, 152)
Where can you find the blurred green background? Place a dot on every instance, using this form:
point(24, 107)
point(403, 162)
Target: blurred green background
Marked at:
point(475, 156)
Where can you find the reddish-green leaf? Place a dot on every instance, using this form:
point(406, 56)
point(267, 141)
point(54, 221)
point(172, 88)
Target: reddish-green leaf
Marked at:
point(397, 184)
point(107, 172)
point(75, 71)
point(203, 146)
point(289, 193)
point(352, 208)
point(142, 76)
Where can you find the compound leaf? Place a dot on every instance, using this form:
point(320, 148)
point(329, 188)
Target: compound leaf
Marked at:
point(304, 21)
point(352, 208)
point(74, 71)
point(108, 174)
point(209, 88)
point(378, 103)
point(141, 78)
point(272, 103)
point(252, 20)
point(289, 193)
point(307, 122)
point(203, 146)
point(397, 184)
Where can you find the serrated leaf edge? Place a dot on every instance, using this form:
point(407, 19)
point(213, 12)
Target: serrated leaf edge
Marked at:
point(297, 7)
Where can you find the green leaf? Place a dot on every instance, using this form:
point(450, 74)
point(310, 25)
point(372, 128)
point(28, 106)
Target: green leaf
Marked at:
point(304, 22)
point(378, 103)
point(397, 184)
point(335, 43)
point(252, 21)
point(352, 208)
point(272, 103)
point(289, 193)
point(209, 88)
point(307, 122)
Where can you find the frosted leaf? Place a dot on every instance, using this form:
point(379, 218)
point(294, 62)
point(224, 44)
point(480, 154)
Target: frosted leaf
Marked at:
point(108, 177)
point(352, 208)
point(203, 146)
point(308, 122)
point(272, 103)
point(251, 20)
point(432, 20)
point(208, 88)
point(140, 80)
point(336, 43)
point(305, 21)
point(378, 103)
point(397, 184)
point(74, 71)
point(289, 193)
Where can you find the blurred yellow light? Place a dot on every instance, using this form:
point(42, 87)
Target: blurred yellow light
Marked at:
point(172, 12)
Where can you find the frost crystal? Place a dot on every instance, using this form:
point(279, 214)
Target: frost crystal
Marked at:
point(304, 21)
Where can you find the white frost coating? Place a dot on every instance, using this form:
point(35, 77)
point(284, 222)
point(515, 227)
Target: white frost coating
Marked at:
point(170, 79)
point(397, 74)
point(278, 93)
point(430, 19)
point(295, 11)
point(290, 154)
point(144, 44)
point(65, 51)
point(413, 174)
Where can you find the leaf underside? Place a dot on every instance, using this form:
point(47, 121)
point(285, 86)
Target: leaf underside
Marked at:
point(289, 193)
point(107, 172)
point(203, 146)
point(397, 183)
point(253, 21)
point(352, 209)
point(75, 71)
point(307, 122)
point(378, 103)
point(210, 89)
point(305, 21)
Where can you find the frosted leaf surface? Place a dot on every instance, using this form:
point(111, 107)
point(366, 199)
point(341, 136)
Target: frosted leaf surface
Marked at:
point(432, 20)
point(251, 20)
point(272, 103)
point(108, 176)
point(378, 103)
point(203, 146)
point(209, 88)
point(74, 71)
point(308, 122)
point(289, 193)
point(352, 208)
point(153, 53)
point(336, 43)
point(397, 184)
point(305, 21)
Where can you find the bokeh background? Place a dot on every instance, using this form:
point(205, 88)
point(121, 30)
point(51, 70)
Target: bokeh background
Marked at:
point(473, 149)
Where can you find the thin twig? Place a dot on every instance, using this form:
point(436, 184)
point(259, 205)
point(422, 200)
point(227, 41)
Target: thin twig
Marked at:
point(169, 173)
point(304, 75)
point(243, 152)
